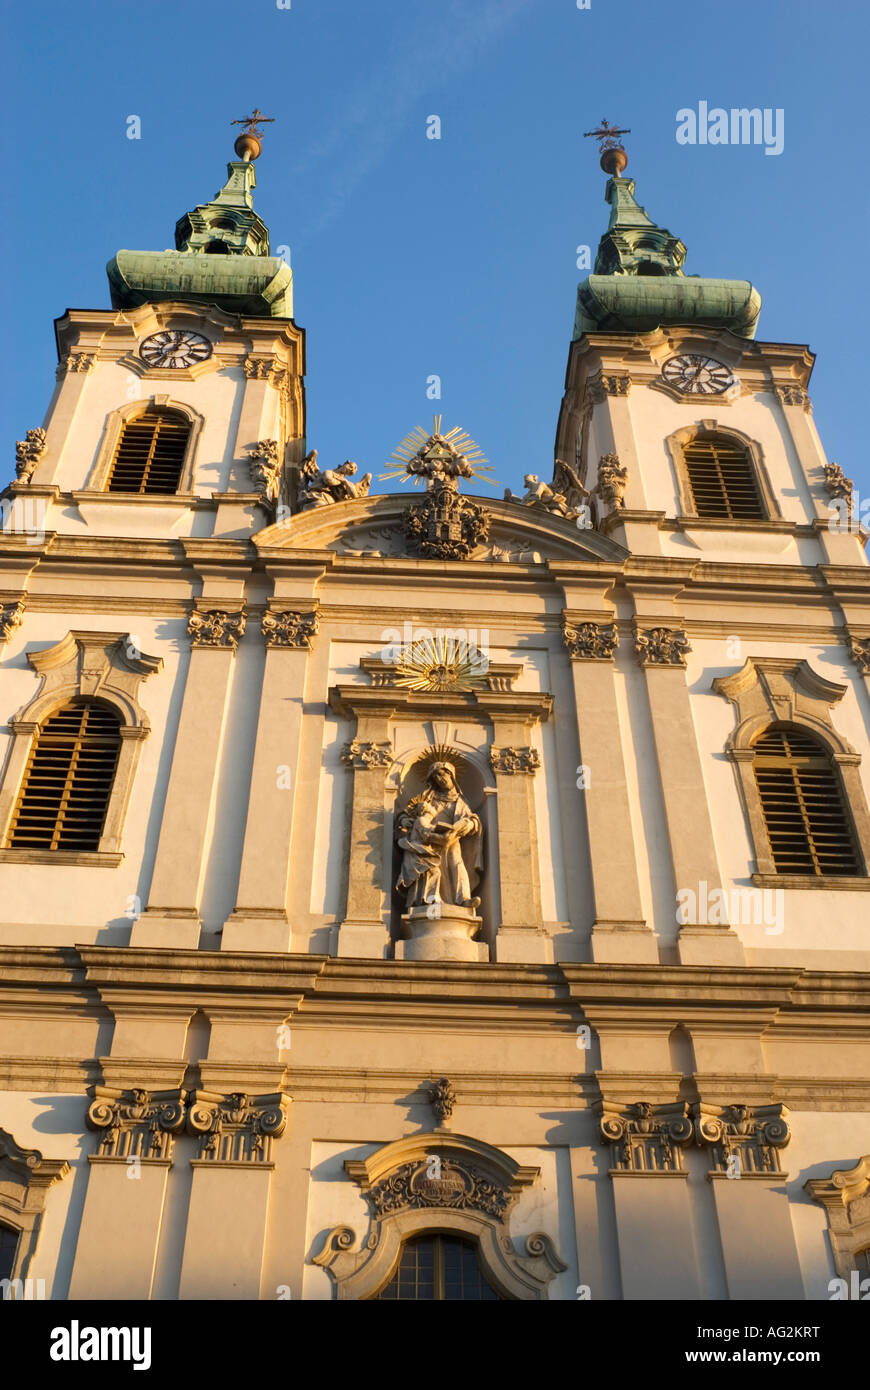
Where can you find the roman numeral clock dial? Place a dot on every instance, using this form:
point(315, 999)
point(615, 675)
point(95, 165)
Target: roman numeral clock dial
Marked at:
point(174, 347)
point(696, 375)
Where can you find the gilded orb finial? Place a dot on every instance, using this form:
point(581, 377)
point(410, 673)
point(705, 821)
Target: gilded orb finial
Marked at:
point(613, 156)
point(249, 144)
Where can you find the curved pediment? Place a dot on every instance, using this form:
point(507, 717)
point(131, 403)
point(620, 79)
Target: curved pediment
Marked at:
point(374, 527)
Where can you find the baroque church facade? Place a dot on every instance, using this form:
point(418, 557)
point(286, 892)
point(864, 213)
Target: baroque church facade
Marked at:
point(417, 895)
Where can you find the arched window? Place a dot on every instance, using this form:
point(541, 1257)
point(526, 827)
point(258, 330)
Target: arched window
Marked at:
point(8, 1246)
point(150, 451)
point(722, 479)
point(68, 780)
point(438, 1267)
point(805, 813)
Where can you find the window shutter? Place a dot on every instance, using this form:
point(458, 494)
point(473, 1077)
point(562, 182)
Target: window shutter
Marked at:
point(150, 453)
point(808, 823)
point(68, 780)
point(722, 479)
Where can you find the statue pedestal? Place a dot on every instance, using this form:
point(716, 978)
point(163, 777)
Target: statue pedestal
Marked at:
point(441, 931)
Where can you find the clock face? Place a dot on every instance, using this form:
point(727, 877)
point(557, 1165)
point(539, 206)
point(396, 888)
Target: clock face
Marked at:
point(697, 375)
point(174, 347)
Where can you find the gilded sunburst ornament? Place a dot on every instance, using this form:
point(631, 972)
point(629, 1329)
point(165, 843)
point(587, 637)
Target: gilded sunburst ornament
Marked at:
point(437, 459)
point(441, 663)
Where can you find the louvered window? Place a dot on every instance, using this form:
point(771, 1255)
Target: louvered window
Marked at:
point(808, 822)
point(149, 455)
point(68, 780)
point(722, 479)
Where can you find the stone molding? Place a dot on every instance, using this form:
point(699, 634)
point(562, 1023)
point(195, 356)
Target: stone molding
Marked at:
point(290, 627)
point(216, 627)
point(11, 618)
point(135, 1123)
point(590, 641)
point(661, 646)
point(25, 1180)
point(107, 665)
point(513, 760)
point(845, 1195)
point(236, 1128)
point(769, 690)
point(445, 1182)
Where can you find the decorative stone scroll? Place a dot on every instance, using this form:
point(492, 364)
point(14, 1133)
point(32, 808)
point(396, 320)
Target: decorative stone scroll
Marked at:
point(214, 627)
point(11, 617)
point(360, 754)
point(590, 641)
point(443, 1099)
point(647, 1138)
point(136, 1123)
point(612, 478)
point(457, 1185)
point(28, 452)
point(743, 1138)
point(236, 1128)
point(836, 483)
point(290, 628)
point(858, 646)
point(661, 646)
point(513, 760)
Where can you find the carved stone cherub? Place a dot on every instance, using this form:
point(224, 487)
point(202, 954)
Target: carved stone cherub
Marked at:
point(321, 487)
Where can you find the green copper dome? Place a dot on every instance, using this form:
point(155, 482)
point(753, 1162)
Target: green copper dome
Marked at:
point(638, 283)
point(221, 257)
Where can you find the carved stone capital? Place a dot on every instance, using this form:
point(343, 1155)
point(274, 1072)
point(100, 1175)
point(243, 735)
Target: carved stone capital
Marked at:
point(608, 384)
point(78, 362)
point(214, 627)
point(136, 1123)
point(28, 452)
point(237, 1128)
point(11, 617)
point(646, 1138)
point(360, 754)
point(289, 628)
point(858, 646)
point(513, 760)
point(590, 641)
point(793, 395)
point(661, 646)
point(443, 1099)
point(836, 483)
point(262, 369)
point(743, 1138)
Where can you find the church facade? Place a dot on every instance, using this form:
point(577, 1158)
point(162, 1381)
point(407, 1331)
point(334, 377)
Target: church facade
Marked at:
point(417, 895)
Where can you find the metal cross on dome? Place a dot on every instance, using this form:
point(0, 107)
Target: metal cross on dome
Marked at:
point(608, 135)
point(251, 122)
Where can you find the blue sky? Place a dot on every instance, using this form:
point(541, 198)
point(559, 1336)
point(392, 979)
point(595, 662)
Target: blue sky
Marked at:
point(454, 257)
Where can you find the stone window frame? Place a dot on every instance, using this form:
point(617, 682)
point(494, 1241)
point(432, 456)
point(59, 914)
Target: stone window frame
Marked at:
point(25, 1180)
point(98, 480)
point(848, 1230)
point(710, 429)
point(779, 690)
point(362, 1273)
point(107, 666)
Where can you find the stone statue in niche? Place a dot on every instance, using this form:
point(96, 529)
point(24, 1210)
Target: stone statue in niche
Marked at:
point(429, 832)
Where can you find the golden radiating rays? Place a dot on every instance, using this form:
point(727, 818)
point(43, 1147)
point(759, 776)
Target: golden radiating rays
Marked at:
point(439, 753)
point(441, 663)
point(422, 456)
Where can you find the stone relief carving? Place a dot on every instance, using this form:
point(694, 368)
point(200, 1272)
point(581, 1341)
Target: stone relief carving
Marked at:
point(360, 754)
point(743, 1138)
point(215, 627)
point(612, 478)
point(323, 487)
point(443, 1099)
point(78, 362)
point(661, 646)
point(237, 1128)
point(836, 483)
point(645, 1137)
point(793, 395)
point(290, 628)
point(428, 832)
point(590, 641)
point(513, 760)
point(858, 646)
point(28, 452)
point(608, 384)
point(563, 498)
point(459, 1186)
point(266, 470)
point(445, 526)
point(382, 540)
point(11, 618)
point(136, 1123)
